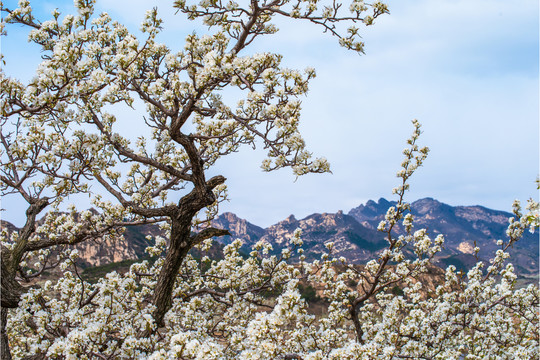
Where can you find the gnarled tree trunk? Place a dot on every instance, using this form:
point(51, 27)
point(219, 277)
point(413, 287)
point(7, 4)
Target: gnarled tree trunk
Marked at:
point(181, 241)
point(5, 353)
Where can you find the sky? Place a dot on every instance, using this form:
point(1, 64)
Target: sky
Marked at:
point(466, 69)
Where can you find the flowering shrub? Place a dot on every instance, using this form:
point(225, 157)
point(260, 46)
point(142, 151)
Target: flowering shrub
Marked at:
point(220, 310)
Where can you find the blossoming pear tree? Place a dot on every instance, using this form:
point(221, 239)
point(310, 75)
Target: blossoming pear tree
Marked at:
point(60, 135)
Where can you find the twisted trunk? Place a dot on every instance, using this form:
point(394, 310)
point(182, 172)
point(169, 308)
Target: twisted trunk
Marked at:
point(11, 289)
point(176, 253)
point(357, 326)
point(181, 242)
point(5, 353)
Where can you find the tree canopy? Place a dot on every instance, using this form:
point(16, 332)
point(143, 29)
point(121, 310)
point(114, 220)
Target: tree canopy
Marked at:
point(60, 137)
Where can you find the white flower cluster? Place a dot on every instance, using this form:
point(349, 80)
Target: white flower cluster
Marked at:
point(223, 313)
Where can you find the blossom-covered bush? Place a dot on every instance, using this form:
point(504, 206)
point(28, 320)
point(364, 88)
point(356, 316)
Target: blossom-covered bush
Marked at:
point(221, 308)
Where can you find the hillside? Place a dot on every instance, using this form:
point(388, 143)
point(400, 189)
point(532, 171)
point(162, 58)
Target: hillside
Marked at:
point(354, 235)
point(462, 227)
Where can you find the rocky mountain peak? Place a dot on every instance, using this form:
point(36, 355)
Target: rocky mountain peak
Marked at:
point(7, 226)
point(461, 226)
point(238, 227)
point(290, 219)
point(371, 210)
point(229, 216)
point(426, 205)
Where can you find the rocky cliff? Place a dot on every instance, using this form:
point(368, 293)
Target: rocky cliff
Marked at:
point(462, 227)
point(354, 235)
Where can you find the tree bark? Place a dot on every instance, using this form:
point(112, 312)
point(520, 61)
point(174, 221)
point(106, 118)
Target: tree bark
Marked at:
point(5, 353)
point(11, 258)
point(357, 326)
point(11, 290)
point(181, 242)
point(178, 249)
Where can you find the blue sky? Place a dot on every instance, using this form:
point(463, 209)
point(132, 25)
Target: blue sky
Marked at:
point(467, 70)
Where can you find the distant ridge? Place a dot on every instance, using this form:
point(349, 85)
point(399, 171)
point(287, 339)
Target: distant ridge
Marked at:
point(354, 235)
point(461, 226)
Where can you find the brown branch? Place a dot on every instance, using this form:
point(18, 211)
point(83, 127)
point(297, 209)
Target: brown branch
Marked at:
point(131, 155)
point(29, 228)
point(291, 357)
point(155, 212)
point(86, 234)
point(207, 234)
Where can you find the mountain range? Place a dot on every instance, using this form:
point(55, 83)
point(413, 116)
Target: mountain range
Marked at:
point(354, 235)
